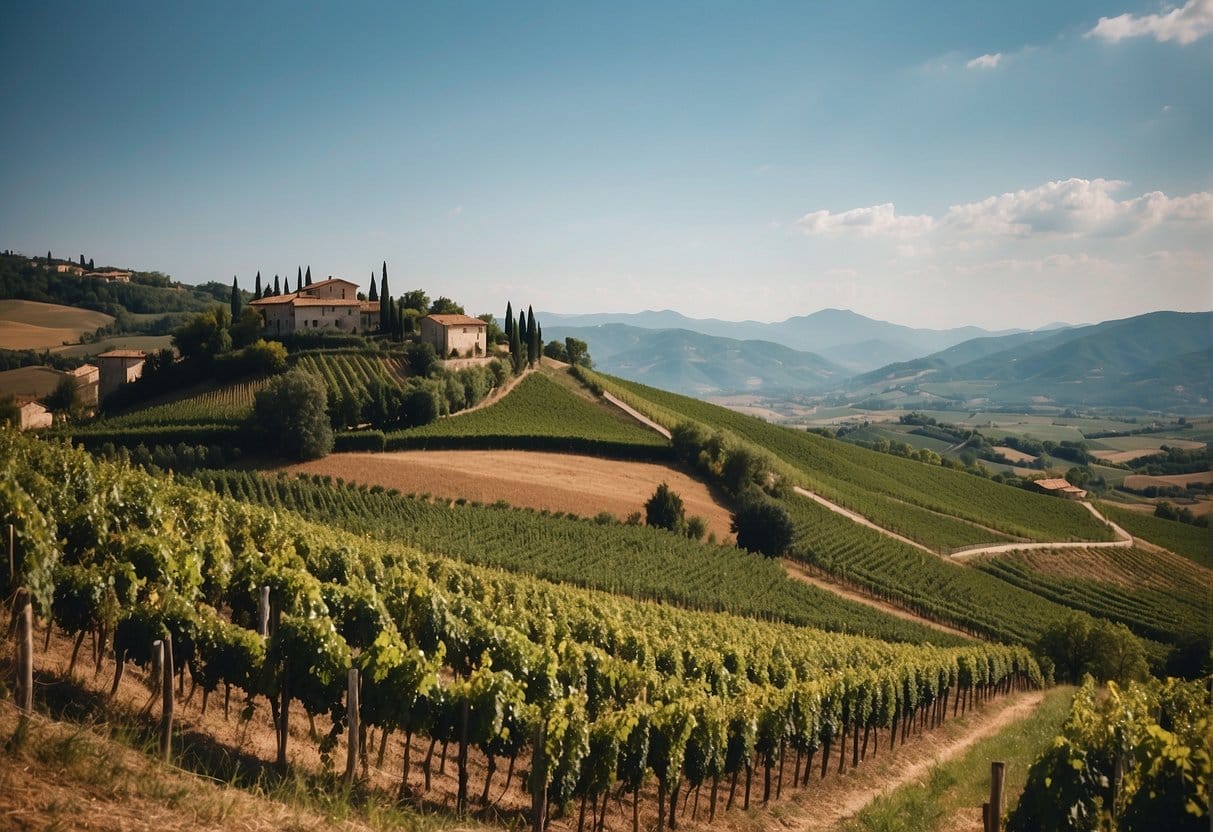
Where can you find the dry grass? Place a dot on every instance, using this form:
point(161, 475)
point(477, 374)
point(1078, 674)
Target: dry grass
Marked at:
point(31, 382)
point(1139, 481)
point(582, 485)
point(1014, 455)
point(29, 325)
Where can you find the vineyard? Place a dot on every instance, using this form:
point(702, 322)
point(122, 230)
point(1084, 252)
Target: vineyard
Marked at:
point(967, 598)
point(538, 413)
point(924, 502)
point(594, 693)
point(1155, 596)
point(347, 374)
point(636, 561)
point(1193, 542)
point(226, 405)
point(1134, 759)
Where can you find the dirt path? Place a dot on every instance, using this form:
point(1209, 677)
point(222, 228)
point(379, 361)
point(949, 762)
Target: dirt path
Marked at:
point(827, 803)
point(799, 573)
point(497, 395)
point(636, 414)
point(858, 518)
point(1125, 541)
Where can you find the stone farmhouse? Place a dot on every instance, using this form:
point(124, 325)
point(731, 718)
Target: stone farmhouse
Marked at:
point(1060, 488)
point(455, 336)
point(330, 304)
point(118, 367)
point(34, 415)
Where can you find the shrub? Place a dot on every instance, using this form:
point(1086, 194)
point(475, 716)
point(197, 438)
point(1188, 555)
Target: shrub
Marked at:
point(290, 417)
point(664, 509)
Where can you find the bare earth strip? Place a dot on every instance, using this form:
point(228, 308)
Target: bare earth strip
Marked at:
point(858, 518)
point(1181, 480)
point(828, 803)
point(582, 485)
point(799, 573)
point(636, 414)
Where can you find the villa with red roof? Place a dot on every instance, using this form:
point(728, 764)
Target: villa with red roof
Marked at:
point(328, 305)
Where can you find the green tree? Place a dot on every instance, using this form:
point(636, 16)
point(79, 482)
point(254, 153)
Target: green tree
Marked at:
point(257, 288)
point(307, 277)
point(509, 323)
point(373, 295)
point(446, 306)
point(264, 358)
point(532, 337)
point(1079, 644)
point(385, 304)
point(762, 525)
point(664, 510)
point(235, 300)
point(247, 328)
point(10, 411)
point(203, 336)
point(298, 279)
point(416, 299)
point(277, 287)
point(555, 350)
point(492, 333)
point(422, 359)
point(65, 398)
point(578, 352)
point(289, 415)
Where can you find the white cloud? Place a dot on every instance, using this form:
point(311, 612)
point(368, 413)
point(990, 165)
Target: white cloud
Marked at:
point(1076, 207)
point(985, 61)
point(877, 220)
point(1189, 23)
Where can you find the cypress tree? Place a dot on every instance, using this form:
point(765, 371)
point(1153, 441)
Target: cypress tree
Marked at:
point(299, 279)
point(386, 321)
point(91, 267)
point(532, 348)
point(373, 295)
point(257, 288)
point(509, 322)
point(235, 301)
point(308, 276)
point(81, 261)
point(515, 349)
point(48, 258)
point(277, 287)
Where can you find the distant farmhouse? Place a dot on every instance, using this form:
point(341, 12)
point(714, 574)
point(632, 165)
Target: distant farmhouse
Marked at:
point(34, 415)
point(88, 383)
point(1060, 488)
point(330, 304)
point(113, 276)
point(119, 367)
point(455, 336)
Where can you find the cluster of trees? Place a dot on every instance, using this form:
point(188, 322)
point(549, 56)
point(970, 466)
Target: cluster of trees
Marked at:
point(759, 521)
point(1079, 645)
point(1170, 511)
point(23, 279)
point(524, 336)
point(573, 351)
point(665, 510)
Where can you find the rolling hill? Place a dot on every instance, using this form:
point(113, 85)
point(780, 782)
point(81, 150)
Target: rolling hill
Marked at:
point(853, 341)
point(1156, 360)
point(697, 364)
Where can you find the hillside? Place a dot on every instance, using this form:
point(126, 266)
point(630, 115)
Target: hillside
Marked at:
point(696, 364)
point(29, 325)
point(852, 341)
point(1152, 361)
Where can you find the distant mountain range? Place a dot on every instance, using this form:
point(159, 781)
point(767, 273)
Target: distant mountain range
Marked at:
point(1152, 361)
point(848, 339)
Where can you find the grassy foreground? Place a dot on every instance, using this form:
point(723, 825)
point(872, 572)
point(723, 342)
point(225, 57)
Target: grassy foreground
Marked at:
point(959, 786)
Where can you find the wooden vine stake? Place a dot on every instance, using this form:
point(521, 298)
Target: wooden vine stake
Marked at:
point(23, 613)
point(997, 772)
point(12, 556)
point(263, 612)
point(352, 727)
point(164, 650)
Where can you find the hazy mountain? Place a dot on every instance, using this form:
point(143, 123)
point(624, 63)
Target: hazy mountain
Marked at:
point(851, 340)
point(1149, 361)
point(696, 364)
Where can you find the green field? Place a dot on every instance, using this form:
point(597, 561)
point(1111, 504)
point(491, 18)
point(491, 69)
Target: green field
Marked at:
point(1149, 600)
point(347, 374)
point(879, 486)
point(538, 412)
point(1193, 542)
point(230, 404)
point(147, 343)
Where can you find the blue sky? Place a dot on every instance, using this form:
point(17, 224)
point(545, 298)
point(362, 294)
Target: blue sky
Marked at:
point(936, 164)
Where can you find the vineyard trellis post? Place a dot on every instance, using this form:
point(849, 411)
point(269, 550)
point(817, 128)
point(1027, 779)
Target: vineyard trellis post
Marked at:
point(263, 612)
point(23, 613)
point(352, 727)
point(12, 555)
point(997, 773)
point(164, 649)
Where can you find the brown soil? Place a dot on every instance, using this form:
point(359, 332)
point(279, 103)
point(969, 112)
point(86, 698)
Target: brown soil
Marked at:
point(28, 325)
point(581, 485)
point(1139, 481)
point(1124, 456)
point(1165, 571)
point(1014, 455)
